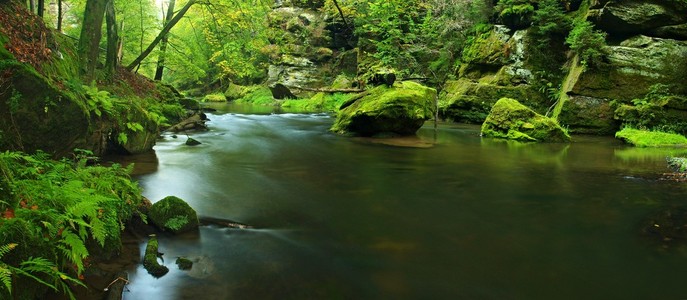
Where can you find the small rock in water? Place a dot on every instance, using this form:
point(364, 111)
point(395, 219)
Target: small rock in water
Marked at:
point(184, 263)
point(192, 142)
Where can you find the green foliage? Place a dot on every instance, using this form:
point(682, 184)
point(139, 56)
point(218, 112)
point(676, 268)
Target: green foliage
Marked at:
point(656, 111)
point(177, 222)
point(588, 43)
point(98, 101)
point(678, 164)
point(646, 138)
point(56, 208)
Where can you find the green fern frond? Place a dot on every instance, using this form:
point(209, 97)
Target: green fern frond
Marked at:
point(4, 249)
point(74, 249)
point(6, 277)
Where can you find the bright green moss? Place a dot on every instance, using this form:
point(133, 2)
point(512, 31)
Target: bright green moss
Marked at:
point(645, 138)
point(217, 97)
point(257, 95)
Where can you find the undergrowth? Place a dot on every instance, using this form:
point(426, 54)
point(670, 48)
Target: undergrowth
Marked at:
point(55, 214)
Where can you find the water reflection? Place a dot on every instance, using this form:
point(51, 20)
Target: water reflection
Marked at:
point(467, 218)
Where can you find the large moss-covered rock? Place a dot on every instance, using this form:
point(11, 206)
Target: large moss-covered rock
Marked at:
point(467, 101)
point(35, 114)
point(174, 215)
point(511, 120)
point(401, 109)
point(634, 66)
point(630, 17)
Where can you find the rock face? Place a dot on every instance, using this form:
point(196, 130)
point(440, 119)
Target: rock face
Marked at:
point(400, 110)
point(307, 50)
point(632, 17)
point(174, 215)
point(511, 120)
point(494, 68)
point(634, 66)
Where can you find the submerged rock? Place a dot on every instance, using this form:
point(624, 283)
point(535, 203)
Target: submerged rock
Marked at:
point(174, 215)
point(511, 120)
point(400, 110)
point(192, 142)
point(667, 227)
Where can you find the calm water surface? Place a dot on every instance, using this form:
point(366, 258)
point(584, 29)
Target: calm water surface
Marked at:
point(467, 218)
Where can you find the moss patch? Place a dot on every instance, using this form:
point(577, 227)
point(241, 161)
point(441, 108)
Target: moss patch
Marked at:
point(217, 97)
point(511, 120)
point(645, 138)
point(321, 102)
point(174, 215)
point(257, 95)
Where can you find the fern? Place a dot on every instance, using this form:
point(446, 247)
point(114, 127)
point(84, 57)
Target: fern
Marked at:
point(6, 277)
point(74, 249)
point(5, 271)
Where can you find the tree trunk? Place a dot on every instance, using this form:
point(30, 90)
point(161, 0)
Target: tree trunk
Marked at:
point(164, 32)
point(41, 8)
point(91, 33)
point(163, 44)
point(111, 58)
point(59, 15)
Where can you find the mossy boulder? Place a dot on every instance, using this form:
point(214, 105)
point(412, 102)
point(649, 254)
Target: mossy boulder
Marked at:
point(467, 101)
point(174, 215)
point(587, 115)
point(401, 110)
point(511, 120)
point(36, 114)
point(646, 138)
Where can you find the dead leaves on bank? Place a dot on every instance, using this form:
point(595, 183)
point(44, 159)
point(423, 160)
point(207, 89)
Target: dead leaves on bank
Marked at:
point(29, 39)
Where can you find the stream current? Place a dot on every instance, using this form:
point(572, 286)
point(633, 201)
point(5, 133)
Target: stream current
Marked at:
point(457, 217)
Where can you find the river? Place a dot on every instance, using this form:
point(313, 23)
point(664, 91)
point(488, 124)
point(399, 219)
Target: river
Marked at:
point(457, 217)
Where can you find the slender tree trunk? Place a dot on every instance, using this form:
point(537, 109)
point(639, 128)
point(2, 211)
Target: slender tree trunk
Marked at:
point(32, 5)
point(164, 32)
point(91, 32)
point(340, 13)
point(111, 59)
point(59, 15)
point(163, 44)
point(41, 8)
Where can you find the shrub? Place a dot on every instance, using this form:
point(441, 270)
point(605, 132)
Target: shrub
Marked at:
point(588, 43)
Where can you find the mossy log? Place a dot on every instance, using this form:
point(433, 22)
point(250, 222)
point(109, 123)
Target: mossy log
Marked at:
point(150, 262)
